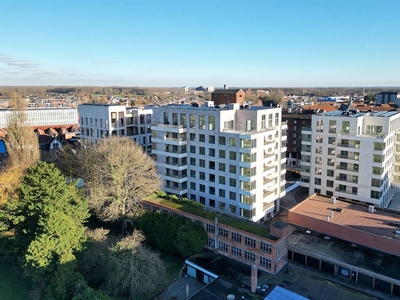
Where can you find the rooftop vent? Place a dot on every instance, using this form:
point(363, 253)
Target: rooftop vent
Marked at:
point(333, 200)
point(371, 209)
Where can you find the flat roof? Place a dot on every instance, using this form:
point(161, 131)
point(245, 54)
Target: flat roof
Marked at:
point(349, 221)
point(352, 215)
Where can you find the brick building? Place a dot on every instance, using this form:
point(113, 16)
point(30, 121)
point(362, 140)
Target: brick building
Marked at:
point(226, 96)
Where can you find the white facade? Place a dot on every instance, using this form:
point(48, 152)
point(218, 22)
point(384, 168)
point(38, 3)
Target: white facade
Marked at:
point(351, 155)
point(229, 159)
point(44, 117)
point(101, 120)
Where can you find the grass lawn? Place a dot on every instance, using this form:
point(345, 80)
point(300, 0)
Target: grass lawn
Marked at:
point(13, 286)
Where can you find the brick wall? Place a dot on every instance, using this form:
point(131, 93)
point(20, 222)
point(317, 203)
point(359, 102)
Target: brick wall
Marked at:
point(277, 255)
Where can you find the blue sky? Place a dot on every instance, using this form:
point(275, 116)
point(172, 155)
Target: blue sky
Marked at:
point(172, 43)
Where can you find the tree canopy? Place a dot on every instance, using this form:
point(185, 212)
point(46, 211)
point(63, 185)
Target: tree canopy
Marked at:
point(117, 174)
point(46, 222)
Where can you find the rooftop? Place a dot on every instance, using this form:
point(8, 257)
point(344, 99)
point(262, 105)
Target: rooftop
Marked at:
point(226, 91)
point(201, 211)
point(350, 221)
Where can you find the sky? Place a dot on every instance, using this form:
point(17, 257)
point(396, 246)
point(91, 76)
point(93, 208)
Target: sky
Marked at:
point(174, 43)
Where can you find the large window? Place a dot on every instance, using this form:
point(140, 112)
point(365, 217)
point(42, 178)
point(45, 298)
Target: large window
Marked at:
point(249, 256)
point(192, 119)
point(265, 247)
point(211, 122)
point(345, 126)
point(202, 122)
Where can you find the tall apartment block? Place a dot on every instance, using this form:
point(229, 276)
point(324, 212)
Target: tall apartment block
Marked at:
point(101, 120)
point(229, 158)
point(352, 155)
point(386, 97)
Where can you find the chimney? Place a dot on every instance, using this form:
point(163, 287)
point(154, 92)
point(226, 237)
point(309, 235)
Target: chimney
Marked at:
point(253, 279)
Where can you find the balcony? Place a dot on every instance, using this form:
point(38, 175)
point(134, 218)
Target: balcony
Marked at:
point(267, 193)
point(352, 156)
point(269, 142)
point(268, 154)
point(349, 145)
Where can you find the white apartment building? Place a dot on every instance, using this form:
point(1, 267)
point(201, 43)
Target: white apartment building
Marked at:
point(228, 158)
point(101, 120)
point(352, 155)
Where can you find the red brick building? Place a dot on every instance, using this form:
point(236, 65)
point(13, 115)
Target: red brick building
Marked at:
point(226, 96)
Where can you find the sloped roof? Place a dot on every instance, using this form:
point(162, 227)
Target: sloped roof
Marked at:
point(226, 91)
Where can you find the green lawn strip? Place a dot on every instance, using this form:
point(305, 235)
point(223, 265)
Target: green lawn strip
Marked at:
point(13, 286)
point(244, 225)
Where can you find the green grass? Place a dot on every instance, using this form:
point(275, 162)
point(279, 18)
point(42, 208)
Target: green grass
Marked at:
point(241, 224)
point(13, 286)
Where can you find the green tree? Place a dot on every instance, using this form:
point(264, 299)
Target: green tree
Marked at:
point(190, 239)
point(46, 221)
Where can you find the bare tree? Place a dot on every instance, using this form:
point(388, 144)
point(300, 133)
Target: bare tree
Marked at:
point(22, 143)
point(135, 271)
point(118, 175)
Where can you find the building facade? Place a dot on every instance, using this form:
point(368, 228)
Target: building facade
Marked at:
point(44, 117)
point(229, 159)
point(352, 155)
point(386, 97)
point(102, 120)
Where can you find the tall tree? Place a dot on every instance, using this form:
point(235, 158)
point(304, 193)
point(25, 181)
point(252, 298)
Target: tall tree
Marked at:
point(117, 174)
point(22, 142)
point(46, 223)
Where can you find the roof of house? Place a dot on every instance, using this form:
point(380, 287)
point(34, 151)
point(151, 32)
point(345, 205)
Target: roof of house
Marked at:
point(226, 91)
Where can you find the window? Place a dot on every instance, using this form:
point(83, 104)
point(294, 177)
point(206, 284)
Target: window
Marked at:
point(211, 122)
point(192, 136)
point(265, 262)
point(211, 178)
point(210, 228)
point(373, 129)
point(192, 161)
point(232, 196)
point(202, 188)
point(221, 153)
point(317, 181)
point(265, 247)
point(211, 165)
point(331, 140)
point(222, 140)
point(329, 173)
point(202, 175)
point(232, 209)
point(236, 251)
point(221, 179)
point(375, 182)
point(221, 206)
point(232, 155)
point(211, 190)
point(378, 158)
point(193, 185)
point(332, 126)
point(202, 122)
point(379, 146)
point(221, 193)
point(247, 199)
point(345, 126)
point(329, 183)
point(375, 194)
point(202, 138)
point(211, 242)
point(192, 119)
point(236, 237)
point(222, 232)
point(221, 167)
point(202, 150)
point(211, 152)
point(250, 242)
point(212, 203)
point(193, 173)
point(232, 182)
point(249, 256)
point(232, 142)
point(377, 170)
point(211, 139)
point(222, 246)
point(232, 169)
point(202, 163)
point(331, 151)
point(192, 149)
